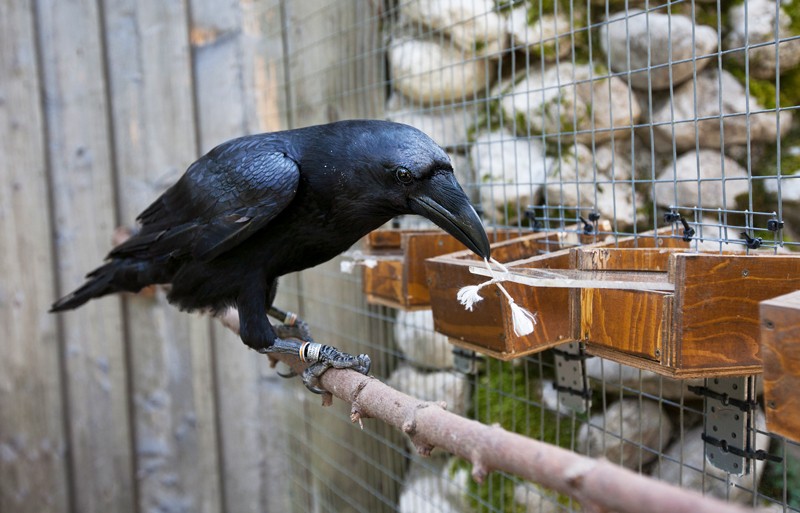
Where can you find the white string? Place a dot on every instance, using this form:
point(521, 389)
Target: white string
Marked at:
point(522, 320)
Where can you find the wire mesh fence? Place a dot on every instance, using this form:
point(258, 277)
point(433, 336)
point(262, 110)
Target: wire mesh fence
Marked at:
point(601, 117)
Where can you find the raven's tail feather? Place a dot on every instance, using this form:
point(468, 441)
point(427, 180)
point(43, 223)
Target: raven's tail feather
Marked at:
point(116, 276)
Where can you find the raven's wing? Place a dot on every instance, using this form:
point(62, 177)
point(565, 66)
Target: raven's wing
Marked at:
point(224, 197)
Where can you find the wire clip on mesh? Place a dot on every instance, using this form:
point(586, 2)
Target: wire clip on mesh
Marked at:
point(751, 454)
point(724, 398)
point(590, 226)
point(752, 242)
point(774, 224)
point(571, 381)
point(673, 216)
point(530, 215)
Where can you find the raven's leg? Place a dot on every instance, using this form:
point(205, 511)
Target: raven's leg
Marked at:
point(257, 332)
point(292, 326)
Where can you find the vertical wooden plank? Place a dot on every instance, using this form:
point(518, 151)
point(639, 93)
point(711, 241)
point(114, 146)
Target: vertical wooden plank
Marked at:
point(238, 86)
point(150, 85)
point(32, 439)
point(83, 197)
point(328, 61)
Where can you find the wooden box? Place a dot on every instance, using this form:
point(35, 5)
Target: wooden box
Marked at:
point(780, 350)
point(398, 278)
point(486, 329)
point(684, 315)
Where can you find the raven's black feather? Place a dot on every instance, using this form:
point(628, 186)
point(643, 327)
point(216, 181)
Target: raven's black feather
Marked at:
point(257, 207)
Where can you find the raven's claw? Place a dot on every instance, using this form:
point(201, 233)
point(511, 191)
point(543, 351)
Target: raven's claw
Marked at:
point(321, 358)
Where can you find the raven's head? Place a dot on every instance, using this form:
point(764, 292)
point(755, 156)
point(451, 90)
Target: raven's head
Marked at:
point(416, 176)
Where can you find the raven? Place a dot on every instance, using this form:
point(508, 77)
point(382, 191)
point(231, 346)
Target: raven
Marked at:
point(261, 206)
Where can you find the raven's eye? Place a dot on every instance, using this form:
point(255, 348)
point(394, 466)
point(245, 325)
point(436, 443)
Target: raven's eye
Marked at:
point(404, 176)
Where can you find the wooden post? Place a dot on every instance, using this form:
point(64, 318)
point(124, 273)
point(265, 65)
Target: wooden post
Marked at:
point(33, 462)
point(173, 404)
point(82, 192)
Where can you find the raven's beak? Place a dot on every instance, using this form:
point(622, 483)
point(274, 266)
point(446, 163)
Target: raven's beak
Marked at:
point(444, 202)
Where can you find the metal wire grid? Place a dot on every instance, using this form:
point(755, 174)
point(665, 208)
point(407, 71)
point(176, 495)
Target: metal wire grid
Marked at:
point(338, 468)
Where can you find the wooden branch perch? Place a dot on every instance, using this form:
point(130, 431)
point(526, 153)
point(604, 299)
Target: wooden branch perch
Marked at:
point(597, 484)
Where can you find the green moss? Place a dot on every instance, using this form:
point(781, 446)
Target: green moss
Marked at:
point(505, 394)
point(793, 10)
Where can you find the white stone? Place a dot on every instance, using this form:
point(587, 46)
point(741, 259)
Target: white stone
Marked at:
point(535, 499)
point(446, 125)
point(429, 488)
point(697, 178)
point(428, 72)
point(616, 375)
point(541, 38)
point(572, 101)
point(757, 26)
point(600, 180)
point(448, 386)
point(635, 40)
point(420, 344)
point(712, 89)
point(510, 170)
point(684, 465)
point(631, 432)
point(472, 25)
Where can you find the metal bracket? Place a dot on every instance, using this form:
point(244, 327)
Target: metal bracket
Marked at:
point(571, 381)
point(729, 431)
point(466, 361)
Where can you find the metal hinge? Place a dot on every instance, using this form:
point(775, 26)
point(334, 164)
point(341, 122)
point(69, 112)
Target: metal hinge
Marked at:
point(571, 381)
point(729, 426)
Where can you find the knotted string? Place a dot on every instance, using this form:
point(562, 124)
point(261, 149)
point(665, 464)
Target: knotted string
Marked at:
point(522, 320)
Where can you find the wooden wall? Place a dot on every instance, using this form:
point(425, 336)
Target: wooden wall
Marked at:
point(127, 405)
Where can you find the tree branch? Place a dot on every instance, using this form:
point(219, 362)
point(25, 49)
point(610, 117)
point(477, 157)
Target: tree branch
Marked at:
point(597, 484)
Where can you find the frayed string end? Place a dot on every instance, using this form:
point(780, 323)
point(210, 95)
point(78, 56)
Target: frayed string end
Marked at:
point(522, 320)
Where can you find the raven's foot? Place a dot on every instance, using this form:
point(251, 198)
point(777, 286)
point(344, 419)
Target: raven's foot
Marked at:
point(291, 327)
point(321, 358)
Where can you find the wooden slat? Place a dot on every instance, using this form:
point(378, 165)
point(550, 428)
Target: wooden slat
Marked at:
point(631, 321)
point(153, 125)
point(83, 202)
point(780, 349)
point(625, 259)
point(718, 323)
point(328, 59)
point(33, 466)
point(238, 85)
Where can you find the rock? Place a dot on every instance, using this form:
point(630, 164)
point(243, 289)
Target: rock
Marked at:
point(447, 125)
point(421, 345)
point(450, 387)
point(631, 433)
point(634, 40)
point(472, 25)
point(570, 100)
point(616, 375)
point(712, 88)
point(684, 465)
point(573, 182)
point(540, 38)
point(756, 27)
point(535, 499)
point(511, 171)
point(427, 72)
point(708, 165)
point(429, 488)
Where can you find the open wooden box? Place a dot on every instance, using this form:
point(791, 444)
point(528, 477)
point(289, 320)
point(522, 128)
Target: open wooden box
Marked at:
point(488, 329)
point(398, 278)
point(680, 314)
point(484, 329)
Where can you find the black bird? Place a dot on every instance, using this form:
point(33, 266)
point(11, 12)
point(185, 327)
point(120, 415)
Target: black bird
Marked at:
point(261, 206)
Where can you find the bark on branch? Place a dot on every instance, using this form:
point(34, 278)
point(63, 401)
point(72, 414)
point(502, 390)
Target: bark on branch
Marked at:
point(597, 484)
